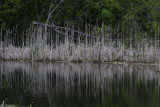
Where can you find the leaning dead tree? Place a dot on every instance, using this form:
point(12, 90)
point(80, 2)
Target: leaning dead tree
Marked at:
point(51, 10)
point(53, 6)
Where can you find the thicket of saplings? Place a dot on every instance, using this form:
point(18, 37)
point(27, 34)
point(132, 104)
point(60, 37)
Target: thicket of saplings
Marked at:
point(99, 44)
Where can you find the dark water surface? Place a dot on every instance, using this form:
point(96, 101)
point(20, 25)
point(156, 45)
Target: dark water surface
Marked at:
point(78, 85)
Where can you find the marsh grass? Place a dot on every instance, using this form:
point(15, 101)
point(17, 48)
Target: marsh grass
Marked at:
point(67, 45)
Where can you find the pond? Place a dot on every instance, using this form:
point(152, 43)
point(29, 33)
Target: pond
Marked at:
point(50, 84)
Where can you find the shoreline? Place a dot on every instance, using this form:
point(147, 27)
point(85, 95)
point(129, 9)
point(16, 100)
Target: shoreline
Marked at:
point(108, 62)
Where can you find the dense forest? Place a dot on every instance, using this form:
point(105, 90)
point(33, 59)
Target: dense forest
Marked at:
point(142, 15)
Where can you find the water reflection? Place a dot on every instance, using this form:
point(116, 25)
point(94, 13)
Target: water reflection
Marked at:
point(78, 84)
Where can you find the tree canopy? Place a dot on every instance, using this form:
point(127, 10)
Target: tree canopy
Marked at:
point(143, 14)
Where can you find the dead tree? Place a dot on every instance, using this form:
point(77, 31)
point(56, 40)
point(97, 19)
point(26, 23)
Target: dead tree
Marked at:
point(51, 10)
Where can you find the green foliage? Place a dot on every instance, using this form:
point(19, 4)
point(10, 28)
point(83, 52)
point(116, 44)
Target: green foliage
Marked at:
point(9, 13)
point(140, 15)
point(108, 10)
point(20, 13)
point(35, 51)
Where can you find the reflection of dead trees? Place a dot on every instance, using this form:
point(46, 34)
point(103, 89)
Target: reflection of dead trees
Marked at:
point(47, 76)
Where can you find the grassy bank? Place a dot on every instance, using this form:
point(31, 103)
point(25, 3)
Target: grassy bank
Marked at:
point(81, 53)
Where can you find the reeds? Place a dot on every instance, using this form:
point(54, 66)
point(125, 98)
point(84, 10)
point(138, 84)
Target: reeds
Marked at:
point(66, 44)
point(2, 104)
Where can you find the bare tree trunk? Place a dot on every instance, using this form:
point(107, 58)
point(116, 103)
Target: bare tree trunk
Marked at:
point(49, 16)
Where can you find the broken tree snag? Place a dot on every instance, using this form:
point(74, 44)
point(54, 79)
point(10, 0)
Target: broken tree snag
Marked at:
point(51, 10)
point(58, 29)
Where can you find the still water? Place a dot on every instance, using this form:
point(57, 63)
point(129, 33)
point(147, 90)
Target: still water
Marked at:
point(33, 84)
